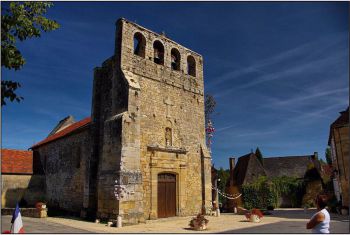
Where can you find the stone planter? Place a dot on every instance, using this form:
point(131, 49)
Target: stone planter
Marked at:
point(199, 227)
point(199, 223)
point(254, 218)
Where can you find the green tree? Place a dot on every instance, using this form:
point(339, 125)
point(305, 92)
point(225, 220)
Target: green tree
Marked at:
point(224, 176)
point(19, 21)
point(328, 155)
point(259, 155)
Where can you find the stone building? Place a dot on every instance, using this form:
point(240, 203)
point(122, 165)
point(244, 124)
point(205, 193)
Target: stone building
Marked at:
point(248, 169)
point(20, 183)
point(339, 143)
point(142, 154)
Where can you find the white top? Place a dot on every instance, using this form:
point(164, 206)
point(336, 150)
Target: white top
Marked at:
point(322, 227)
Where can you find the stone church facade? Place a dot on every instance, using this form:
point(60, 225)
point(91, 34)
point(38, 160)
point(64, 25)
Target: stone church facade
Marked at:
point(142, 154)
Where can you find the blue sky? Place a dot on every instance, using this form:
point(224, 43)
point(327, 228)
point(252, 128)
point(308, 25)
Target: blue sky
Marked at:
point(279, 71)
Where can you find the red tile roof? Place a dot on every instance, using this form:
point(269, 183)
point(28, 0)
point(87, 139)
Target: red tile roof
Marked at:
point(64, 132)
point(16, 161)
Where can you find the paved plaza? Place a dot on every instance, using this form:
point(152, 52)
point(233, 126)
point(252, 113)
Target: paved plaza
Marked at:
point(281, 221)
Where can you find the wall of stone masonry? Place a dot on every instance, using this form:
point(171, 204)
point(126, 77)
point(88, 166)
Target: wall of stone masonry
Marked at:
point(341, 143)
point(64, 162)
point(164, 98)
point(31, 188)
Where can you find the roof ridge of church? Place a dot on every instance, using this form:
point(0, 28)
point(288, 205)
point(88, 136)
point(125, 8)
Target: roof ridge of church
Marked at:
point(64, 132)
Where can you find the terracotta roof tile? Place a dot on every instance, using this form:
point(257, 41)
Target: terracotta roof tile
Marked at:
point(64, 132)
point(16, 161)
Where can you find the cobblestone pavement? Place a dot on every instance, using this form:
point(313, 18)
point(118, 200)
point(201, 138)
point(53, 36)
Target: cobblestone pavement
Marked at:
point(281, 221)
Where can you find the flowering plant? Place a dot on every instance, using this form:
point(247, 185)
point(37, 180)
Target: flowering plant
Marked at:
point(257, 212)
point(199, 222)
point(254, 216)
point(40, 205)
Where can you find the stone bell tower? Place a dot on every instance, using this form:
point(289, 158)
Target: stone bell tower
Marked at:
point(148, 130)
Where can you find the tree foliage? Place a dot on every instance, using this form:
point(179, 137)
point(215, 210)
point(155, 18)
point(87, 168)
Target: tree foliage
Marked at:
point(224, 176)
point(20, 21)
point(209, 106)
point(259, 155)
point(328, 156)
point(264, 193)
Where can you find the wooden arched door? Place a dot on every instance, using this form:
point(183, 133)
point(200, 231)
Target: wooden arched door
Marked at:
point(166, 195)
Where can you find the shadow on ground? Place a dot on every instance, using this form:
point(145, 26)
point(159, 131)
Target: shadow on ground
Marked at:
point(338, 225)
point(300, 214)
point(290, 226)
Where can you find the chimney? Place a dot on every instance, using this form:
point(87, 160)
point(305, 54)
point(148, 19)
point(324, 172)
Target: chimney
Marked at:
point(232, 164)
point(315, 155)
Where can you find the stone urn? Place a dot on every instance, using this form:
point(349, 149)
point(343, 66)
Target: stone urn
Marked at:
point(254, 218)
point(199, 226)
point(199, 222)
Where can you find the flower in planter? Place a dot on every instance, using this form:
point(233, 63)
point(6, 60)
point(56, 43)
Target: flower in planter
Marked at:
point(258, 213)
point(254, 216)
point(199, 222)
point(40, 205)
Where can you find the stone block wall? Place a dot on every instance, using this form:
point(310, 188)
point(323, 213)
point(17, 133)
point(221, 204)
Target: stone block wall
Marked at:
point(161, 98)
point(27, 212)
point(341, 146)
point(30, 188)
point(64, 162)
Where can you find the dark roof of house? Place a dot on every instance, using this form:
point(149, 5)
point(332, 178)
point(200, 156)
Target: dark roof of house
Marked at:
point(64, 132)
point(292, 166)
point(16, 161)
point(249, 168)
point(342, 120)
point(240, 169)
point(240, 172)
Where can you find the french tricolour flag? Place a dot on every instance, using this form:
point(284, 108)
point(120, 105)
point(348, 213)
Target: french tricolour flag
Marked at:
point(17, 221)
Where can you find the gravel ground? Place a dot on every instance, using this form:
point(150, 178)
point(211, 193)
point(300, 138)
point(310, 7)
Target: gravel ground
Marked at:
point(281, 221)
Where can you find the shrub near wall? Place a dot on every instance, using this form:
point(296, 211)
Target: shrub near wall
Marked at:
point(263, 192)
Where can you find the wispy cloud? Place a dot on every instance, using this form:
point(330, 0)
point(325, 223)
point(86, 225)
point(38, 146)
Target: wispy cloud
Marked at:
point(306, 50)
point(290, 73)
point(257, 133)
point(226, 127)
point(301, 99)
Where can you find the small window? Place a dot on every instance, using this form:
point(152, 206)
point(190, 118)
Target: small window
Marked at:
point(158, 49)
point(168, 137)
point(175, 59)
point(191, 66)
point(139, 45)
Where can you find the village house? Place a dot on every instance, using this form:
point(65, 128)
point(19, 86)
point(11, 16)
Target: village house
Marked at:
point(142, 153)
point(20, 182)
point(339, 142)
point(248, 169)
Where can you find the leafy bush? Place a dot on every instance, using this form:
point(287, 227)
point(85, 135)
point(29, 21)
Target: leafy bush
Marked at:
point(264, 193)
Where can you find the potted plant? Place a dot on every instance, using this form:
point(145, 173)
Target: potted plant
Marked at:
point(40, 205)
point(199, 222)
point(254, 216)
